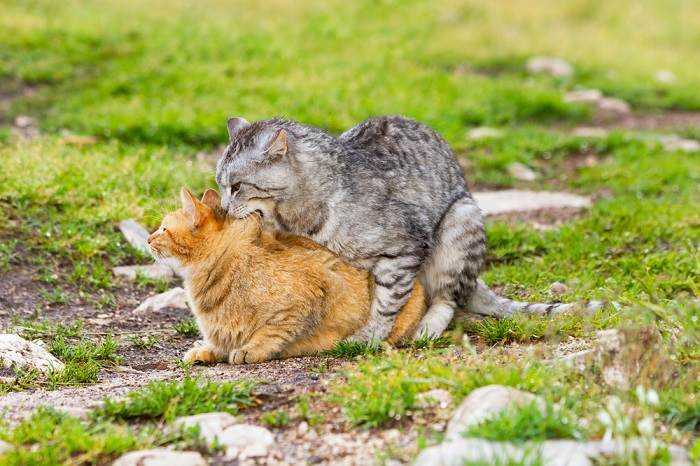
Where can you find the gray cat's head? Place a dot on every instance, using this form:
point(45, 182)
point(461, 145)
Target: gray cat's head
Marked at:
point(256, 167)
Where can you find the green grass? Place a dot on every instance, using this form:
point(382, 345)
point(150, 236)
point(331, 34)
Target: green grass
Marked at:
point(527, 423)
point(82, 358)
point(347, 349)
point(168, 400)
point(144, 342)
point(155, 84)
point(187, 328)
point(278, 418)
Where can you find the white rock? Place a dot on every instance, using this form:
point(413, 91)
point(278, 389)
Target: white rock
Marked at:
point(484, 132)
point(240, 440)
point(210, 424)
point(246, 441)
point(521, 172)
point(136, 234)
point(74, 411)
point(613, 106)
point(590, 132)
point(553, 452)
point(577, 360)
point(160, 457)
point(558, 289)
point(4, 447)
point(583, 96)
point(550, 65)
point(484, 403)
point(665, 77)
point(673, 143)
point(175, 298)
point(512, 200)
point(437, 396)
point(155, 271)
point(23, 121)
point(18, 352)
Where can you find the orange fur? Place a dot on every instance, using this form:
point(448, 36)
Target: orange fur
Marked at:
point(259, 296)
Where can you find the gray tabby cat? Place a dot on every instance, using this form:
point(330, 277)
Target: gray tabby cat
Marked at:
point(387, 195)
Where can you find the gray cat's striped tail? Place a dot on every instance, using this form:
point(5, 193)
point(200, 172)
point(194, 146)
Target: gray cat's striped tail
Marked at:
point(487, 303)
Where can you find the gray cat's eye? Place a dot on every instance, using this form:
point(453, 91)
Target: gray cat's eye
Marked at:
point(234, 188)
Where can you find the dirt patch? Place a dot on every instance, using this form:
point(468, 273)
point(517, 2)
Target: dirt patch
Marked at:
point(671, 120)
point(9, 91)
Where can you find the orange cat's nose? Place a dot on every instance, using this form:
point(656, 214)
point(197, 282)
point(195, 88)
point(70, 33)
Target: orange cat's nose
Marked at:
point(151, 237)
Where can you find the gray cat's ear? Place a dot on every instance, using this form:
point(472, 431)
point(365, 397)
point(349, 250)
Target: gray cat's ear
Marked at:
point(278, 146)
point(211, 199)
point(235, 125)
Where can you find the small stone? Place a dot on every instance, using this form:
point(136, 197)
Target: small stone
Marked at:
point(303, 427)
point(246, 441)
point(484, 403)
point(665, 77)
point(675, 143)
point(25, 127)
point(612, 106)
point(583, 96)
point(154, 271)
point(550, 65)
point(590, 132)
point(136, 234)
point(513, 200)
point(175, 298)
point(74, 411)
point(23, 122)
point(577, 360)
point(15, 351)
point(521, 172)
point(4, 447)
point(210, 424)
point(160, 457)
point(484, 132)
point(558, 289)
point(436, 397)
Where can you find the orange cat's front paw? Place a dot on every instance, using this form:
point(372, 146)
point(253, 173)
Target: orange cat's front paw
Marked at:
point(242, 356)
point(201, 355)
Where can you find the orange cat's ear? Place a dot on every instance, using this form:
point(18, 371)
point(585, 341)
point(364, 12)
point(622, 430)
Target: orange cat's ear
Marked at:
point(211, 199)
point(192, 206)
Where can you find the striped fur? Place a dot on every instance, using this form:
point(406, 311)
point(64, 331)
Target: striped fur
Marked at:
point(259, 296)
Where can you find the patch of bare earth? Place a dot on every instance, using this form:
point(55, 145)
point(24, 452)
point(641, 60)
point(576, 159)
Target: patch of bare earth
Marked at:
point(670, 120)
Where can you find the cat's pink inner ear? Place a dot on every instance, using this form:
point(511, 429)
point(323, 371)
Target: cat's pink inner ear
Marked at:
point(235, 124)
point(211, 198)
point(189, 205)
point(278, 146)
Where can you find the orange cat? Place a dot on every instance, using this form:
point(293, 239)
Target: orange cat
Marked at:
point(259, 296)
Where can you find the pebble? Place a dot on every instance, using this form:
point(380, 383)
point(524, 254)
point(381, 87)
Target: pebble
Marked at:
point(4, 447)
point(550, 65)
point(558, 289)
point(154, 271)
point(239, 440)
point(436, 397)
point(136, 234)
point(175, 298)
point(590, 132)
point(484, 132)
point(673, 143)
point(665, 77)
point(587, 96)
point(512, 200)
point(160, 457)
point(484, 403)
point(521, 172)
point(18, 352)
point(613, 106)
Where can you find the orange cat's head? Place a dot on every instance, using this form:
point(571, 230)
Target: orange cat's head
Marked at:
point(185, 233)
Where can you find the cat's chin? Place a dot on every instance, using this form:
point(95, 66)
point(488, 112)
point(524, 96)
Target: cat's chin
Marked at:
point(171, 262)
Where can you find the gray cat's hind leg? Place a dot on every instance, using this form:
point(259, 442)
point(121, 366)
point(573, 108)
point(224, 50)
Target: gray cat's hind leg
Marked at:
point(393, 279)
point(450, 272)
